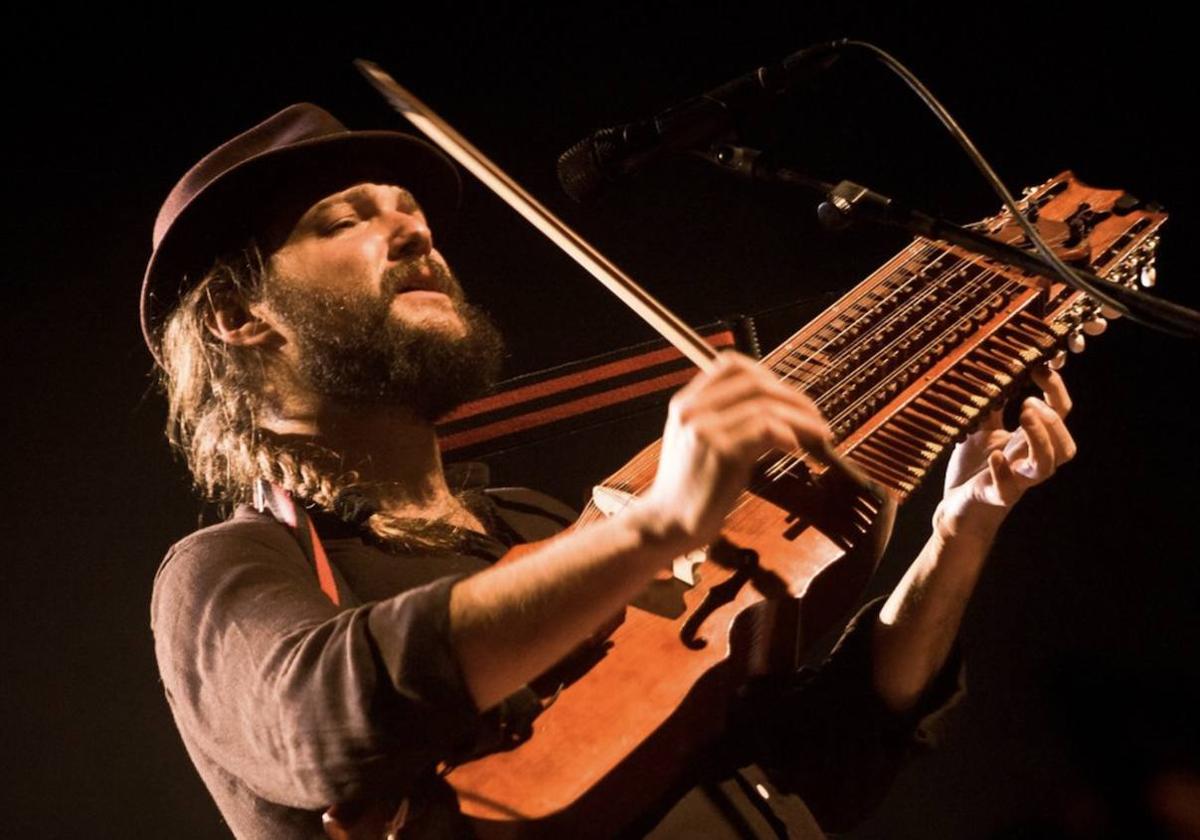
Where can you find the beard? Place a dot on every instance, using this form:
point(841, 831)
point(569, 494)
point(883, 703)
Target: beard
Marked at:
point(352, 349)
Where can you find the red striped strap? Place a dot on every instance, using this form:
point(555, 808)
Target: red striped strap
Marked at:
point(539, 405)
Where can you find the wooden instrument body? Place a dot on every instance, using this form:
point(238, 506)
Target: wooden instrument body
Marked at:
point(657, 690)
point(902, 366)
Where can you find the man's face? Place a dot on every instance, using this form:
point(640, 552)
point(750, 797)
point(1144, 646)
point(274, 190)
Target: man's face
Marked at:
point(371, 312)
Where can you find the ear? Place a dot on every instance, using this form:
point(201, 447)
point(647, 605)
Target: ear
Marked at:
point(234, 323)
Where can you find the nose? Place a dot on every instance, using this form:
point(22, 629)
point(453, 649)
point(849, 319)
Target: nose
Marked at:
point(410, 235)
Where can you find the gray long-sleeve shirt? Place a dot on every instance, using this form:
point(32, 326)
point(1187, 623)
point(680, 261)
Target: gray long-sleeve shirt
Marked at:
point(287, 703)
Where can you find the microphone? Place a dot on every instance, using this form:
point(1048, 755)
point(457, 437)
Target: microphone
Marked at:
point(585, 169)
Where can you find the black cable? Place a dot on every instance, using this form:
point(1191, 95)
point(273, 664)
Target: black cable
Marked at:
point(1169, 317)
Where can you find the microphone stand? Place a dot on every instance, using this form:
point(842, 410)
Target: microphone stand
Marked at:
point(846, 202)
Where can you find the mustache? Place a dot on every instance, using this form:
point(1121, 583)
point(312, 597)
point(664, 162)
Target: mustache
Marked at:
point(422, 273)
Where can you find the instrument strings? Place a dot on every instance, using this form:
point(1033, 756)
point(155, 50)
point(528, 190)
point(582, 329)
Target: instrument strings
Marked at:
point(782, 467)
point(791, 359)
point(963, 292)
point(934, 287)
point(646, 457)
point(919, 250)
point(790, 460)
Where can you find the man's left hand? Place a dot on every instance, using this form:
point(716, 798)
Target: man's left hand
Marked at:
point(993, 467)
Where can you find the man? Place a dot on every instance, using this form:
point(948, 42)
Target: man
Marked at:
point(309, 334)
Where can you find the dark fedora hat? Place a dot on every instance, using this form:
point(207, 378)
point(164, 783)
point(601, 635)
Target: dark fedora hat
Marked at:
point(257, 185)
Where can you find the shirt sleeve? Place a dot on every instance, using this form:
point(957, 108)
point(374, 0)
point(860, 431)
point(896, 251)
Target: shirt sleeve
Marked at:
point(306, 704)
point(826, 735)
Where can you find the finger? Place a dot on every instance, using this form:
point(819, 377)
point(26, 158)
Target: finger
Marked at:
point(811, 430)
point(736, 379)
point(721, 394)
point(1060, 438)
point(718, 395)
point(790, 392)
point(723, 367)
point(1065, 443)
point(804, 429)
point(1038, 464)
point(683, 403)
point(744, 434)
point(786, 389)
point(1054, 388)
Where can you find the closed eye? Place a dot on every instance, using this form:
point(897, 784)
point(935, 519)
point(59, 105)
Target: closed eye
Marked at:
point(334, 227)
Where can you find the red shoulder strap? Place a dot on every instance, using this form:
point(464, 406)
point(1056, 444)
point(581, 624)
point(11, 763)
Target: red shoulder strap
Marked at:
point(273, 499)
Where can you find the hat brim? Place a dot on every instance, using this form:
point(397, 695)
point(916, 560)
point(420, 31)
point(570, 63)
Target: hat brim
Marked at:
point(278, 185)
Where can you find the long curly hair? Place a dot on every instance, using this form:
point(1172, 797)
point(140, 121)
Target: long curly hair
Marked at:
point(217, 395)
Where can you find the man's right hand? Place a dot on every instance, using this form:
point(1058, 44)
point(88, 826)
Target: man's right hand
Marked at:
point(718, 427)
point(511, 622)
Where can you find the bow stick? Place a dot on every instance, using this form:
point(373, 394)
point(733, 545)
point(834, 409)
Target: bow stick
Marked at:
point(663, 320)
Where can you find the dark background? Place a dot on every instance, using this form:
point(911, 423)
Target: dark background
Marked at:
point(1082, 637)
